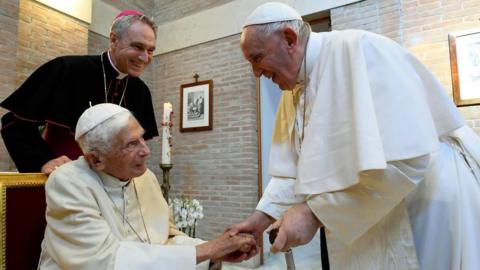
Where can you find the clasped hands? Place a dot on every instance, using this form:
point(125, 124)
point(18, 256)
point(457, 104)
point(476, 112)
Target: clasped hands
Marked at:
point(296, 227)
point(227, 247)
point(239, 242)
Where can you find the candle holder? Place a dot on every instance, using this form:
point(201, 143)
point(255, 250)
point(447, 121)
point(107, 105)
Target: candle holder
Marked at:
point(166, 179)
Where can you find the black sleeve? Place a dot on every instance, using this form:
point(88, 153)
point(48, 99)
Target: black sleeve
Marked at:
point(25, 144)
point(43, 94)
point(150, 123)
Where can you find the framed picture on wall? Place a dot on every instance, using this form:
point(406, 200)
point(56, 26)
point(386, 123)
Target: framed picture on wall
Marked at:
point(465, 66)
point(196, 101)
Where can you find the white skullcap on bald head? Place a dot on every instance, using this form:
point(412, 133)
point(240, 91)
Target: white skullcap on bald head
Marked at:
point(272, 12)
point(96, 115)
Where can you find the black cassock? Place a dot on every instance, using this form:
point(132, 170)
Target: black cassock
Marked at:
point(55, 95)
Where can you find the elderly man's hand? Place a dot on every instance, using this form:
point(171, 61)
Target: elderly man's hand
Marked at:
point(244, 252)
point(227, 248)
point(297, 227)
point(51, 165)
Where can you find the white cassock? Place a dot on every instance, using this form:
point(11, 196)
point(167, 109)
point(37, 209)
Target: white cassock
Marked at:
point(386, 164)
point(86, 227)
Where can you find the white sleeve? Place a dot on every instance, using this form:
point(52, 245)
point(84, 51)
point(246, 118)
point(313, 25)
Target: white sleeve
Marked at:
point(78, 236)
point(278, 197)
point(179, 253)
point(351, 212)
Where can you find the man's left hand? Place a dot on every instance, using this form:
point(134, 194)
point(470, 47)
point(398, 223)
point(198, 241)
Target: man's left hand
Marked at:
point(297, 227)
point(53, 164)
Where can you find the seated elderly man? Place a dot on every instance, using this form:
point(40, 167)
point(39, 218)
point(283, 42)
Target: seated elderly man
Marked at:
point(106, 210)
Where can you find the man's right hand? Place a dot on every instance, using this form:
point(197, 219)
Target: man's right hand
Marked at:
point(51, 165)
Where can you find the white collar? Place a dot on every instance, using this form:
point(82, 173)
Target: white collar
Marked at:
point(120, 74)
point(111, 181)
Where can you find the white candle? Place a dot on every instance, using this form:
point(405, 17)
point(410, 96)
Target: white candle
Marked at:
point(166, 135)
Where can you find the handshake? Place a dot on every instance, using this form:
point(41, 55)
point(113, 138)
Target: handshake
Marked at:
point(296, 227)
point(227, 247)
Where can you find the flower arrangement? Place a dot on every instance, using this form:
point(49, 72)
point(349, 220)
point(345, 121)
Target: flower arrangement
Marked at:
point(186, 213)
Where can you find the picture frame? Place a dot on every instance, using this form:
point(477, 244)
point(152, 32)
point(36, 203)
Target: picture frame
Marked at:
point(465, 66)
point(196, 100)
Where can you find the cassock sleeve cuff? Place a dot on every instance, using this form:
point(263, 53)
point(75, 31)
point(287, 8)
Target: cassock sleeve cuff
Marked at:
point(278, 197)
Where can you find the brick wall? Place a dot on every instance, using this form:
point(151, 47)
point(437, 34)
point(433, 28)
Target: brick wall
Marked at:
point(43, 34)
point(146, 6)
point(168, 10)
point(8, 48)
point(97, 43)
point(218, 167)
point(379, 16)
point(422, 26)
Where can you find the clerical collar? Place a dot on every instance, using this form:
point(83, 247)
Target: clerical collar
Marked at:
point(120, 75)
point(111, 181)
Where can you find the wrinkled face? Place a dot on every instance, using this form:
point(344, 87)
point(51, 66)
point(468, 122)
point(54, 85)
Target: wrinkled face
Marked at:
point(271, 57)
point(129, 153)
point(134, 51)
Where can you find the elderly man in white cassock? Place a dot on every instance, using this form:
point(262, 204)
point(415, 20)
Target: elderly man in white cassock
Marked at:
point(106, 211)
point(366, 145)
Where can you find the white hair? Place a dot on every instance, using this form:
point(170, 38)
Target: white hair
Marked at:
point(122, 24)
point(301, 28)
point(101, 137)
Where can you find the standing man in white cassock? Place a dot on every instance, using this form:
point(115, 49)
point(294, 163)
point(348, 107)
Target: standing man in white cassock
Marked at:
point(367, 145)
point(105, 210)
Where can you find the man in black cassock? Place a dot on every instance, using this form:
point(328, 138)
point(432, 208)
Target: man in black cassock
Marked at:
point(57, 93)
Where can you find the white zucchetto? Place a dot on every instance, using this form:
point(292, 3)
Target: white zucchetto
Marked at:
point(96, 115)
point(272, 12)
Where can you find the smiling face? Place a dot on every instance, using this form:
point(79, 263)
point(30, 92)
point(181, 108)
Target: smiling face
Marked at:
point(129, 153)
point(134, 50)
point(275, 56)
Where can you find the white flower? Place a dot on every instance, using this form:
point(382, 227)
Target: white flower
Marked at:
point(182, 224)
point(186, 213)
point(196, 203)
point(183, 213)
